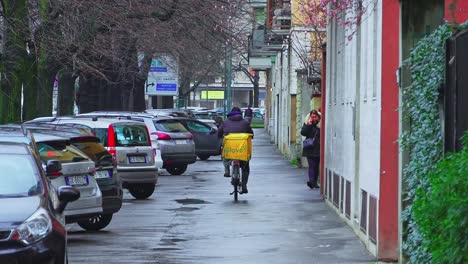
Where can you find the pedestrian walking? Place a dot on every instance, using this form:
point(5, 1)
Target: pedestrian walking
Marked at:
point(218, 121)
point(248, 114)
point(311, 147)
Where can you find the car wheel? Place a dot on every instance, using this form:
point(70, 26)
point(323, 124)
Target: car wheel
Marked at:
point(173, 170)
point(141, 191)
point(96, 223)
point(203, 156)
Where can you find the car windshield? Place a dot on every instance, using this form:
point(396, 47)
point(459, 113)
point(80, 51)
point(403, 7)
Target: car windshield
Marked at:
point(169, 126)
point(59, 151)
point(18, 176)
point(131, 135)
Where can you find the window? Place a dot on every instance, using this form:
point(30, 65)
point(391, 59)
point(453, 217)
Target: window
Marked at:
point(18, 176)
point(131, 135)
point(59, 151)
point(198, 127)
point(93, 150)
point(169, 126)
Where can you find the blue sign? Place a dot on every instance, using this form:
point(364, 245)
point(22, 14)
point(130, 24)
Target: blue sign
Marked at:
point(158, 69)
point(166, 87)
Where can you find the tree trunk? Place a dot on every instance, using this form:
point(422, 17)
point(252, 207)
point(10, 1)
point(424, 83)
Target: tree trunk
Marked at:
point(45, 86)
point(30, 90)
point(66, 93)
point(13, 60)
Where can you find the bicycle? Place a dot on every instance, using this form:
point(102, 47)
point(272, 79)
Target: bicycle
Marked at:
point(237, 147)
point(235, 179)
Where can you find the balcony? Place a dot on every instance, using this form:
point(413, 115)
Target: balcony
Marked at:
point(281, 22)
point(258, 3)
point(265, 43)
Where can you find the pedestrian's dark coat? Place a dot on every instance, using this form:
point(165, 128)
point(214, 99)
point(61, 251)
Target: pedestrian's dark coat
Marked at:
point(248, 112)
point(234, 124)
point(311, 131)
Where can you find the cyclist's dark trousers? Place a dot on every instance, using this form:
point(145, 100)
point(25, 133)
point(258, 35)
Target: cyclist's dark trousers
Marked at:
point(245, 168)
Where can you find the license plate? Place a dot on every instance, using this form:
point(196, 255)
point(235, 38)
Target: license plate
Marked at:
point(77, 180)
point(137, 159)
point(102, 174)
point(180, 141)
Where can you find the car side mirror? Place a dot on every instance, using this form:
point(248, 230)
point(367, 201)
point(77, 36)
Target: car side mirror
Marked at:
point(213, 130)
point(53, 168)
point(65, 195)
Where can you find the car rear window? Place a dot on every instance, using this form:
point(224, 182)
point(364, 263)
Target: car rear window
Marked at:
point(59, 151)
point(93, 150)
point(131, 135)
point(19, 176)
point(101, 133)
point(169, 126)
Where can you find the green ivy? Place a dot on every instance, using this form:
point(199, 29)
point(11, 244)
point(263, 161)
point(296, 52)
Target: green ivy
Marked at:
point(423, 140)
point(442, 212)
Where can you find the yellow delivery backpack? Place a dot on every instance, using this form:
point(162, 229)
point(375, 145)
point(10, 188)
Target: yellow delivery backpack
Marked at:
point(237, 146)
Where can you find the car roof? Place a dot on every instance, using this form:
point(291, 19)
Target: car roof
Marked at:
point(15, 133)
point(98, 122)
point(41, 137)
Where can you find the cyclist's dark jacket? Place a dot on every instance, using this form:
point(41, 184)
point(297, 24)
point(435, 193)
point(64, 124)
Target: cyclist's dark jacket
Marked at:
point(234, 124)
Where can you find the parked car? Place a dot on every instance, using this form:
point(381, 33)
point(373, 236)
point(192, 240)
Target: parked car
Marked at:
point(170, 139)
point(207, 142)
point(77, 171)
point(32, 225)
point(205, 117)
point(129, 143)
point(175, 112)
point(175, 142)
point(105, 173)
point(258, 119)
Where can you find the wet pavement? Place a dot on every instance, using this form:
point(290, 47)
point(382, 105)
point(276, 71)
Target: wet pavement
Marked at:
point(191, 218)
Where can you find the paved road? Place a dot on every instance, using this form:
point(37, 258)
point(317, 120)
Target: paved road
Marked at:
point(192, 219)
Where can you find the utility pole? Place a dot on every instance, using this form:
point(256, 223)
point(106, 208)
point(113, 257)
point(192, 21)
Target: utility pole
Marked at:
point(228, 78)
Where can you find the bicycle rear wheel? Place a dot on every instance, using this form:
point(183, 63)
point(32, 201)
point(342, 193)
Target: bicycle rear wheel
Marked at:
point(236, 181)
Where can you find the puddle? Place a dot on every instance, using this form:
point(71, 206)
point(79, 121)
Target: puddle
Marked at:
point(184, 209)
point(191, 201)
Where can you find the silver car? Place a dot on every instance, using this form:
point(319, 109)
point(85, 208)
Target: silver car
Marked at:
point(77, 171)
point(176, 143)
point(129, 143)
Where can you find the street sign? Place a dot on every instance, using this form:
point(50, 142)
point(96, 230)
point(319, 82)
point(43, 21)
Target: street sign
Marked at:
point(212, 95)
point(163, 76)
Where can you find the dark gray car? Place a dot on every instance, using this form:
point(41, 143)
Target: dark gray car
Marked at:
point(207, 142)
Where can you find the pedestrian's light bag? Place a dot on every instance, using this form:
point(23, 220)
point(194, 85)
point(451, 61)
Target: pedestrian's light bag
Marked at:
point(237, 146)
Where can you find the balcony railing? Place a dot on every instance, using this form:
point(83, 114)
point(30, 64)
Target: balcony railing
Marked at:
point(265, 43)
point(281, 22)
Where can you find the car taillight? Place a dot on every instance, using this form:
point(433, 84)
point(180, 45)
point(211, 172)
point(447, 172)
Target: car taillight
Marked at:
point(111, 143)
point(161, 136)
point(191, 136)
point(54, 174)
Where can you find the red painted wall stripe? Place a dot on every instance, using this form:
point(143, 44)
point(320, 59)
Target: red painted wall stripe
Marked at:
point(388, 200)
point(322, 122)
point(457, 13)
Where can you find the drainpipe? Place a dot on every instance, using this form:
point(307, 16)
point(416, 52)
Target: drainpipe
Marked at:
point(299, 121)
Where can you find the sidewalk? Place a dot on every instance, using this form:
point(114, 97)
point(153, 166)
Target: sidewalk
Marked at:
point(280, 220)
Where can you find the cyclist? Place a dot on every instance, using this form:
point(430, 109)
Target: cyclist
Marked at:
point(234, 123)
